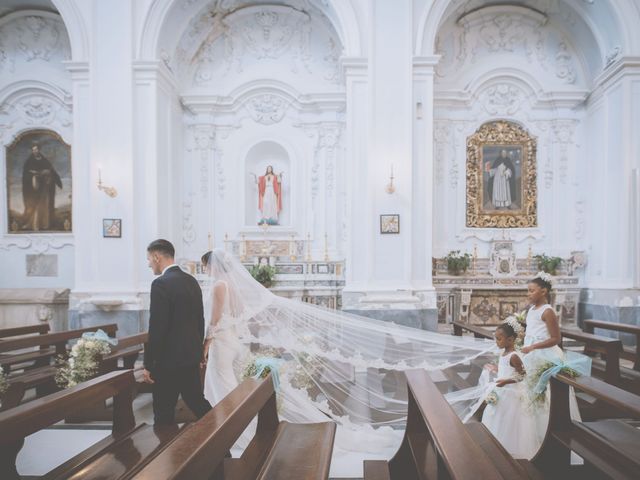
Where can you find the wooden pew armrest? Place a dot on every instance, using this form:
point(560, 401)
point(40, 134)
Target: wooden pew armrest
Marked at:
point(621, 399)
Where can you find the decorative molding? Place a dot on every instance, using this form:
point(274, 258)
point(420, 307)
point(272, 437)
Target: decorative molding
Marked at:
point(612, 56)
point(30, 35)
point(201, 140)
point(562, 134)
point(492, 32)
point(502, 99)
point(188, 229)
point(35, 242)
point(267, 108)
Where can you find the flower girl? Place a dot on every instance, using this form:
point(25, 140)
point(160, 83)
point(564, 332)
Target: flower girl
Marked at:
point(543, 355)
point(507, 415)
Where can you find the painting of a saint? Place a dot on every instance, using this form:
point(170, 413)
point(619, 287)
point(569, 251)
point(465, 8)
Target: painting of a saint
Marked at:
point(502, 177)
point(39, 183)
point(269, 197)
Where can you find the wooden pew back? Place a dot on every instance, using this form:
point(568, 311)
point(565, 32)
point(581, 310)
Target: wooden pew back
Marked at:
point(59, 339)
point(40, 329)
point(201, 450)
point(436, 443)
point(609, 447)
point(478, 332)
point(629, 353)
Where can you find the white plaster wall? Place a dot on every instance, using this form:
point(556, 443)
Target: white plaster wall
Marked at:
point(35, 93)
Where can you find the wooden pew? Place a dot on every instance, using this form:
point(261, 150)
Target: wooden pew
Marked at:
point(611, 346)
point(124, 450)
point(278, 451)
point(40, 329)
point(478, 332)
point(126, 352)
point(437, 445)
point(41, 372)
point(610, 448)
point(628, 353)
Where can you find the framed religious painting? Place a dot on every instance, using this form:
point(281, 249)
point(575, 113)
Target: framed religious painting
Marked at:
point(501, 177)
point(38, 183)
point(112, 227)
point(389, 223)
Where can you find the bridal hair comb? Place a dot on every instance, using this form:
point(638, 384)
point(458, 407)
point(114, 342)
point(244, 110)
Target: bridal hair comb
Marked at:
point(515, 324)
point(545, 277)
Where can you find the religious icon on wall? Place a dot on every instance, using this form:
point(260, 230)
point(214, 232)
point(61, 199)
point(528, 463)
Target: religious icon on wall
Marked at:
point(39, 183)
point(501, 177)
point(269, 196)
point(112, 227)
point(390, 223)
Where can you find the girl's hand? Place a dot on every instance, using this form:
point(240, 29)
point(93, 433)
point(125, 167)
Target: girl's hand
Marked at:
point(491, 367)
point(527, 349)
point(502, 382)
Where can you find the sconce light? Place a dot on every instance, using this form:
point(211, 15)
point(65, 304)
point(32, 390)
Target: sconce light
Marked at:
point(390, 188)
point(111, 191)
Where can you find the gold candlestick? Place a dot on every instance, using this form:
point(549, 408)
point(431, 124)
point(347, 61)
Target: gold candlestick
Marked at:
point(308, 247)
point(474, 258)
point(326, 251)
point(529, 257)
point(210, 242)
point(292, 249)
point(243, 248)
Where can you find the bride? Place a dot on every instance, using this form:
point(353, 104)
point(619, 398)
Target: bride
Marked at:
point(328, 364)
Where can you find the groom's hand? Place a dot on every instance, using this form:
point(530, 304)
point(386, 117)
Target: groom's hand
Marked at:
point(146, 376)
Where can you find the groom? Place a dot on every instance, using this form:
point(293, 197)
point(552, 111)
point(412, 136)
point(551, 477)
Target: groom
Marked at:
point(176, 332)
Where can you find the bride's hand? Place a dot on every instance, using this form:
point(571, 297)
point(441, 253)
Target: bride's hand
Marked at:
point(205, 352)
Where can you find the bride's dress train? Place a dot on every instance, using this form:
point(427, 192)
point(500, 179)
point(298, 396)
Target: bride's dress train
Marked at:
point(333, 365)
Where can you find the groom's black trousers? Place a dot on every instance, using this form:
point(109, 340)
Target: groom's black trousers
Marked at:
point(169, 383)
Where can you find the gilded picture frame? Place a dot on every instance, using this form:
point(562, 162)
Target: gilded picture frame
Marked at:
point(501, 177)
point(39, 183)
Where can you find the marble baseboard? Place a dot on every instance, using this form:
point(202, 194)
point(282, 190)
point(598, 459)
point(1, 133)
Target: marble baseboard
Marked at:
point(424, 319)
point(610, 313)
point(129, 322)
point(29, 306)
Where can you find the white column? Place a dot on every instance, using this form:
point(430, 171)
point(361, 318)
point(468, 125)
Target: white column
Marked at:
point(614, 153)
point(423, 179)
point(360, 236)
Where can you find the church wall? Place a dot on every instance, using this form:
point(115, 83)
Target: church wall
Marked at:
point(167, 99)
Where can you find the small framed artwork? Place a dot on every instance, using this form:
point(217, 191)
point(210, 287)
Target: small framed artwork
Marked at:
point(112, 227)
point(390, 223)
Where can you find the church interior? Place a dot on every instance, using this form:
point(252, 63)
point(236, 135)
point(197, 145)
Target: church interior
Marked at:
point(413, 162)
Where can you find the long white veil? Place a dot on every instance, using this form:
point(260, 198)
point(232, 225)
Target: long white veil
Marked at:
point(341, 366)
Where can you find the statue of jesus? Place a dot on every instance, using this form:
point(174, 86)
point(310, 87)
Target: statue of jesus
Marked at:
point(269, 196)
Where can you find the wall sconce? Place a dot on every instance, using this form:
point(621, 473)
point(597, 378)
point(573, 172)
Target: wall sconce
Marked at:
point(390, 188)
point(110, 191)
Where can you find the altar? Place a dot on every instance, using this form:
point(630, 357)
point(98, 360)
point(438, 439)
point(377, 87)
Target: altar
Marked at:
point(493, 288)
point(300, 273)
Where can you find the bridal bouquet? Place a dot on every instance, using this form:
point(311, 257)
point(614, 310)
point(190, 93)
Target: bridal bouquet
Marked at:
point(84, 359)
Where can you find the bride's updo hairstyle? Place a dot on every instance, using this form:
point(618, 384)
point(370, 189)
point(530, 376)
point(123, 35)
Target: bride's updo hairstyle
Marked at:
point(217, 261)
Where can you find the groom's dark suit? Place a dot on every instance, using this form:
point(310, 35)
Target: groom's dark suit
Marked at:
point(174, 351)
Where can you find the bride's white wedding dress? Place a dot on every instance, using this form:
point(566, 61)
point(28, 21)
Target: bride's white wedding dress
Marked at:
point(333, 365)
